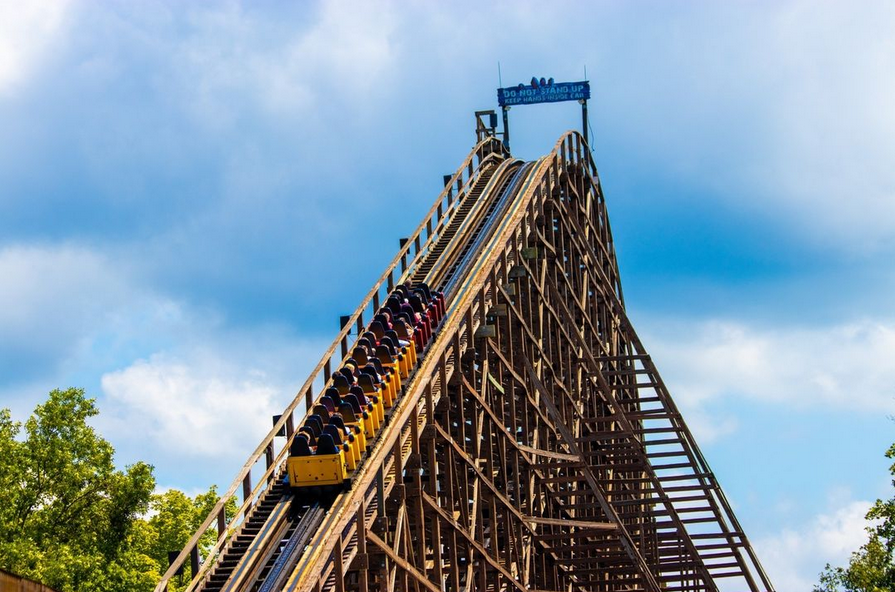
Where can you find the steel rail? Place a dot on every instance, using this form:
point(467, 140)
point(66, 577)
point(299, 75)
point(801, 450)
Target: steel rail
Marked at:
point(468, 227)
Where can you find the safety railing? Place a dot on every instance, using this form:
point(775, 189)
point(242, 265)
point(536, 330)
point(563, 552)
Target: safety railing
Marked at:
point(264, 461)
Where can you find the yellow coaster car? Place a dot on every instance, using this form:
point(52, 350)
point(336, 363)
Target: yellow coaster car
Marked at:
point(323, 465)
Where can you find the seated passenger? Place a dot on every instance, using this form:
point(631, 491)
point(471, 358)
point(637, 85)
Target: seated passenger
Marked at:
point(352, 452)
point(393, 304)
point(355, 404)
point(428, 303)
point(309, 435)
point(387, 375)
point(340, 381)
point(396, 339)
point(367, 383)
point(315, 422)
point(347, 412)
point(327, 403)
point(416, 317)
point(383, 353)
point(403, 361)
point(403, 316)
point(380, 369)
point(369, 370)
point(335, 433)
point(367, 403)
point(325, 445)
point(384, 318)
point(333, 393)
point(433, 296)
point(360, 354)
point(347, 372)
point(300, 446)
point(424, 305)
point(419, 307)
point(350, 425)
point(397, 351)
point(367, 419)
point(406, 346)
point(331, 401)
point(371, 381)
point(371, 404)
point(377, 329)
point(337, 421)
point(404, 326)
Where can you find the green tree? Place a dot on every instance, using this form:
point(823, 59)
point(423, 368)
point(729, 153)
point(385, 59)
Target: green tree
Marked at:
point(70, 519)
point(176, 517)
point(872, 567)
point(67, 509)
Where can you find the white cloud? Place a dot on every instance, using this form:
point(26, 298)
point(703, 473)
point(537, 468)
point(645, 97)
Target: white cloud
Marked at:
point(212, 399)
point(350, 42)
point(830, 122)
point(782, 108)
point(173, 375)
point(709, 427)
point(794, 557)
point(786, 104)
point(196, 408)
point(289, 67)
point(53, 297)
point(27, 30)
point(848, 366)
point(46, 286)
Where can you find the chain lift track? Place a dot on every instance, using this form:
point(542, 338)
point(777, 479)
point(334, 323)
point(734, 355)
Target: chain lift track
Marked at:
point(535, 447)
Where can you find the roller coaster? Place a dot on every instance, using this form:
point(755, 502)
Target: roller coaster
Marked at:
point(487, 419)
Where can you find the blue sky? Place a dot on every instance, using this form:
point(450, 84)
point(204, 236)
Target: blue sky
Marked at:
point(183, 189)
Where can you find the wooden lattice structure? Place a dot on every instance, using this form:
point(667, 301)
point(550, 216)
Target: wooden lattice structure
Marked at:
point(536, 447)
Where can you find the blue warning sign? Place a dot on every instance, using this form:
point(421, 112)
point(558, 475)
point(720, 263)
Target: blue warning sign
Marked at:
point(549, 92)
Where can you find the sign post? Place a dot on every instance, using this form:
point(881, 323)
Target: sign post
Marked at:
point(584, 120)
point(506, 125)
point(543, 91)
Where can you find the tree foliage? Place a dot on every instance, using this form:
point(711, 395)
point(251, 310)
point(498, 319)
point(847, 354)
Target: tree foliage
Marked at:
point(70, 519)
point(872, 567)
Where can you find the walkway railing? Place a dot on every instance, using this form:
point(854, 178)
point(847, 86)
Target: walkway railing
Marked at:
point(264, 459)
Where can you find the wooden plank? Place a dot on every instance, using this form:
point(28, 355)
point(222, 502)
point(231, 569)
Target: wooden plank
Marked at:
point(401, 562)
point(568, 523)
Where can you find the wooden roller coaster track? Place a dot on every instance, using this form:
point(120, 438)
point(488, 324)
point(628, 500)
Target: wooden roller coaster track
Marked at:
point(536, 446)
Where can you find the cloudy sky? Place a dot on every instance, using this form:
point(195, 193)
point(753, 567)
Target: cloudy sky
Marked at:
point(184, 189)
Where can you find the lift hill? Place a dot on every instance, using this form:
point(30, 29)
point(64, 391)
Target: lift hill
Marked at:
point(533, 445)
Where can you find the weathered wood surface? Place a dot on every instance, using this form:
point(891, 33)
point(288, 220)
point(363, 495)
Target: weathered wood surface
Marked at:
point(537, 447)
point(13, 583)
